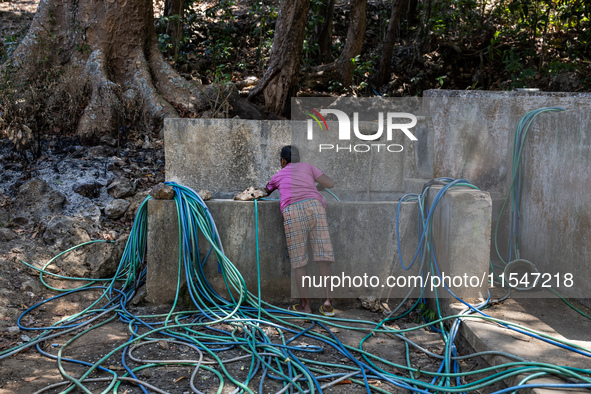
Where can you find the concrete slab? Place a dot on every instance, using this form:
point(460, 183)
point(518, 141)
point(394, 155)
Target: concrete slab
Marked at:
point(461, 237)
point(549, 316)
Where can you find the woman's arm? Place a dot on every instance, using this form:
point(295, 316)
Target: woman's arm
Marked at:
point(325, 181)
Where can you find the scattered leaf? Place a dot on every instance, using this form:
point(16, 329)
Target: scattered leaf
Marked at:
point(344, 381)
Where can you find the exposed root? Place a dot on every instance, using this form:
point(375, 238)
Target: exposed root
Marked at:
point(154, 107)
point(101, 115)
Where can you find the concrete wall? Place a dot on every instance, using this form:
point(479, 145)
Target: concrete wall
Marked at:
point(473, 139)
point(363, 236)
point(555, 225)
point(461, 238)
point(226, 156)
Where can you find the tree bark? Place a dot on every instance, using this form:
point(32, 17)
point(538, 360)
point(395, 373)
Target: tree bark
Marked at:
point(173, 9)
point(324, 33)
point(280, 81)
point(110, 48)
point(388, 46)
point(354, 41)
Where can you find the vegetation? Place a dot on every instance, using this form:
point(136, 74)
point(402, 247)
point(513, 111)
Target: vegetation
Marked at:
point(459, 44)
point(466, 44)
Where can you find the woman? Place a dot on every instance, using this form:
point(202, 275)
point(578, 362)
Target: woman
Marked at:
point(304, 216)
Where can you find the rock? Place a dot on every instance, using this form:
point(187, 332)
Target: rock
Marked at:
point(243, 108)
point(147, 144)
point(90, 190)
point(7, 234)
point(32, 285)
point(565, 82)
point(65, 232)
point(110, 141)
point(121, 187)
point(116, 208)
point(73, 264)
point(134, 203)
point(251, 194)
point(205, 194)
point(36, 200)
point(102, 258)
point(100, 151)
point(248, 82)
point(13, 330)
point(139, 298)
point(372, 303)
point(162, 192)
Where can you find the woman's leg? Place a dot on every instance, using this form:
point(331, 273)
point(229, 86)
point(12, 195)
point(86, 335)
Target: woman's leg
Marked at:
point(325, 270)
point(304, 306)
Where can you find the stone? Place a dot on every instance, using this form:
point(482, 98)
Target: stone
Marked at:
point(103, 258)
point(249, 81)
point(250, 194)
point(162, 192)
point(372, 303)
point(7, 234)
point(243, 108)
point(565, 82)
point(32, 285)
point(100, 151)
point(35, 201)
point(90, 190)
point(116, 208)
point(121, 187)
point(134, 204)
point(147, 144)
point(65, 232)
point(205, 195)
point(110, 141)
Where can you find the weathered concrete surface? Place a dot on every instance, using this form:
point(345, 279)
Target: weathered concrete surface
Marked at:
point(461, 238)
point(364, 240)
point(361, 246)
point(473, 131)
point(555, 223)
point(549, 316)
point(224, 156)
point(162, 252)
point(227, 156)
point(473, 139)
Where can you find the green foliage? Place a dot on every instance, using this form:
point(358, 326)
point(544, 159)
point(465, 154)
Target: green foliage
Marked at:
point(10, 44)
point(362, 70)
point(425, 313)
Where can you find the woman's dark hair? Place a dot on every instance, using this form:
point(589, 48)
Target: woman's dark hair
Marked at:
point(290, 154)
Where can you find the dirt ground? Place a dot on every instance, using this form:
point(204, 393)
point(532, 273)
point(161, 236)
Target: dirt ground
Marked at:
point(20, 288)
point(29, 371)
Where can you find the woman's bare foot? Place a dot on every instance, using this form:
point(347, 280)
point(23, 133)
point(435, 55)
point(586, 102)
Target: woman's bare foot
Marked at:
point(301, 308)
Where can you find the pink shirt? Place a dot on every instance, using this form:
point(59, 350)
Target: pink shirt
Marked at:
point(295, 183)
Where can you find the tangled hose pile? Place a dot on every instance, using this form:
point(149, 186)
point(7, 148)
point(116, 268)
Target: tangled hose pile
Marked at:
point(275, 347)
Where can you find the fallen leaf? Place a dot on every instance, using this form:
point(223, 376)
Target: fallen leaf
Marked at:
point(344, 381)
point(30, 378)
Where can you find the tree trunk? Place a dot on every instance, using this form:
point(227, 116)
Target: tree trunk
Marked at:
point(354, 41)
point(412, 12)
point(388, 46)
point(110, 49)
point(280, 81)
point(173, 9)
point(324, 33)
